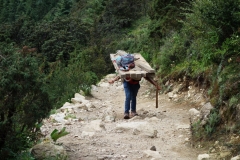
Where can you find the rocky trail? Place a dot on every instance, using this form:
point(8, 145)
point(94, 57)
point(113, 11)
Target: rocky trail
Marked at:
point(97, 130)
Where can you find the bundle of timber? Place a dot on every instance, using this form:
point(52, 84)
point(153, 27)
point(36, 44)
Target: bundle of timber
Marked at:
point(141, 69)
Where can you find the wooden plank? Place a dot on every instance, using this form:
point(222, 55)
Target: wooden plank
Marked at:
point(141, 62)
point(141, 69)
point(120, 52)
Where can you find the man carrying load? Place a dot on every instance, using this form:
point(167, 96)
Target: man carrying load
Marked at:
point(130, 82)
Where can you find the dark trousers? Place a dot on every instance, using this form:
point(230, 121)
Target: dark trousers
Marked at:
point(131, 91)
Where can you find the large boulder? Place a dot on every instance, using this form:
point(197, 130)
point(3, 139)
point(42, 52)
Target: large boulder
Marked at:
point(204, 112)
point(194, 115)
point(142, 128)
point(48, 150)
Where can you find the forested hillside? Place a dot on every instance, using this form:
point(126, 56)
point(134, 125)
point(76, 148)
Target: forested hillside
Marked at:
point(50, 50)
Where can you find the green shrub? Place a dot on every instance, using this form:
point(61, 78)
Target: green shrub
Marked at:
point(212, 122)
point(197, 131)
point(65, 81)
point(23, 102)
point(171, 58)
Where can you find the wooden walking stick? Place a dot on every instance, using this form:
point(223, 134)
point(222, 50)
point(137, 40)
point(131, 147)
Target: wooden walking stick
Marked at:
point(157, 96)
point(157, 88)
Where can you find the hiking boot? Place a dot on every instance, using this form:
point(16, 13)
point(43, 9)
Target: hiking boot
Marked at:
point(133, 114)
point(126, 116)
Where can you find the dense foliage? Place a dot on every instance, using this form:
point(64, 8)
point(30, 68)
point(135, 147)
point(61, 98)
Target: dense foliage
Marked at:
point(69, 42)
point(206, 50)
point(23, 103)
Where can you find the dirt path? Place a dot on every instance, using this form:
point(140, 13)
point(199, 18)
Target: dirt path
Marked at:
point(169, 123)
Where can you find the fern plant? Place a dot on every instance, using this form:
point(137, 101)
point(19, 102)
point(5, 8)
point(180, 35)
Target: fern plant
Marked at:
point(55, 135)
